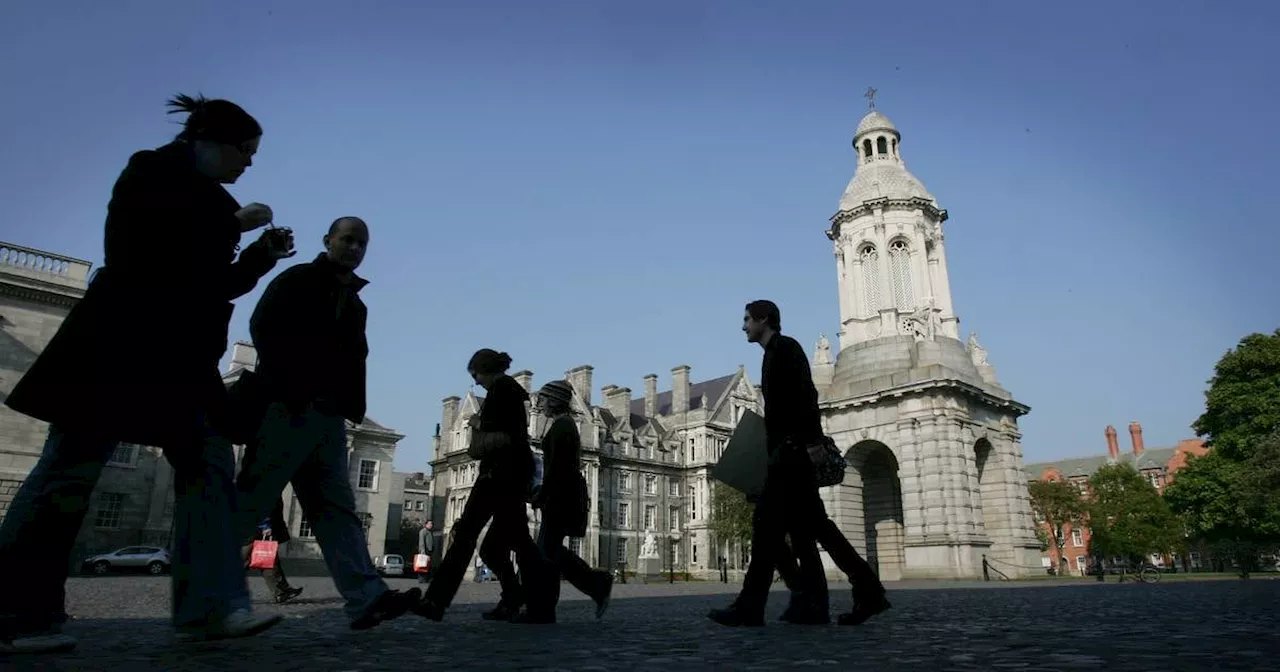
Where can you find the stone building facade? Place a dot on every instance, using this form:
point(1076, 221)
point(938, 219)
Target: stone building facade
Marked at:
point(935, 480)
point(37, 290)
point(1157, 465)
point(646, 460)
point(411, 503)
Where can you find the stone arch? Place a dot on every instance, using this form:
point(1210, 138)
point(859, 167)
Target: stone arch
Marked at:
point(987, 465)
point(877, 506)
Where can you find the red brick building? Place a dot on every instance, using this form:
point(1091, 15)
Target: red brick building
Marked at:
point(1157, 465)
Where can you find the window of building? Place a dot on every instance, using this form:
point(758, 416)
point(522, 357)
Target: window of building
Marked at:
point(673, 486)
point(624, 515)
point(673, 518)
point(110, 510)
point(471, 472)
point(1155, 479)
point(304, 529)
point(1082, 564)
point(1077, 539)
point(693, 502)
point(125, 455)
point(870, 259)
point(650, 484)
point(575, 546)
point(408, 505)
point(695, 554)
point(693, 450)
point(675, 553)
point(900, 273)
point(622, 551)
point(421, 505)
point(624, 481)
point(866, 149)
point(650, 517)
point(1195, 560)
point(368, 475)
point(882, 145)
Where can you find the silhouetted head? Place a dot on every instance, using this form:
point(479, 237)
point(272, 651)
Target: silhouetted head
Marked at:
point(487, 366)
point(346, 242)
point(556, 397)
point(761, 320)
point(223, 137)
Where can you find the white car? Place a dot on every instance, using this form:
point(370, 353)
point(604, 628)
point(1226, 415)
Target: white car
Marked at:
point(150, 559)
point(391, 565)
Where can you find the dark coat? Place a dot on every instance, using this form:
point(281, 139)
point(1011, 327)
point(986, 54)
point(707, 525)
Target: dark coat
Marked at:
point(563, 495)
point(791, 416)
point(503, 411)
point(309, 330)
point(136, 360)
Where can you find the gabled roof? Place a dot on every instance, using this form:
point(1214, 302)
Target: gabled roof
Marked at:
point(712, 389)
point(1151, 458)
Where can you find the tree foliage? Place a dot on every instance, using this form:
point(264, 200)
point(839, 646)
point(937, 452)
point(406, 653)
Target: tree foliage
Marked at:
point(1058, 504)
point(730, 519)
point(1127, 516)
point(1242, 404)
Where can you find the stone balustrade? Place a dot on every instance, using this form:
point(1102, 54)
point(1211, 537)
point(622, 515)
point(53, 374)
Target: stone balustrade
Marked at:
point(38, 264)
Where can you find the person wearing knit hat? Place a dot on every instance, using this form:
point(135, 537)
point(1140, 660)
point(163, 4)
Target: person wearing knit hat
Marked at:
point(565, 502)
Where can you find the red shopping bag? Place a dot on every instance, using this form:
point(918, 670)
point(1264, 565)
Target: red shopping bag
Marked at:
point(421, 563)
point(263, 555)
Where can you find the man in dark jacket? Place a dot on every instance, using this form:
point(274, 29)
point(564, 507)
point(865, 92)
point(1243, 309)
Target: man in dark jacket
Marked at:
point(309, 330)
point(790, 503)
point(427, 547)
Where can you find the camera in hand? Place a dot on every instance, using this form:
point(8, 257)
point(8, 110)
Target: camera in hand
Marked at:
point(279, 239)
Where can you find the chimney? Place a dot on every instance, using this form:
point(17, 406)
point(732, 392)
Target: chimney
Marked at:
point(680, 389)
point(525, 378)
point(450, 412)
point(651, 395)
point(617, 400)
point(1135, 433)
point(1113, 446)
point(580, 378)
point(243, 356)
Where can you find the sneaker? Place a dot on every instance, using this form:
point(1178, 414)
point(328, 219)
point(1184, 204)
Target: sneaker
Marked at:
point(38, 642)
point(736, 617)
point(389, 605)
point(287, 594)
point(864, 610)
point(602, 601)
point(239, 623)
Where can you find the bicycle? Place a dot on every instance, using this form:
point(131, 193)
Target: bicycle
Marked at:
point(1147, 573)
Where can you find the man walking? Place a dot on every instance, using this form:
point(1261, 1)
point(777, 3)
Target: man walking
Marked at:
point(790, 503)
point(274, 529)
point(309, 329)
point(427, 547)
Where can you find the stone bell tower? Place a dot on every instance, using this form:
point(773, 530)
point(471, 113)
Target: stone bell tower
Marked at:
point(935, 482)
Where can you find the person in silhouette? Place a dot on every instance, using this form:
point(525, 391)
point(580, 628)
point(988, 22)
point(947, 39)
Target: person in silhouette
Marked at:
point(790, 503)
point(169, 276)
point(309, 330)
point(500, 440)
point(564, 502)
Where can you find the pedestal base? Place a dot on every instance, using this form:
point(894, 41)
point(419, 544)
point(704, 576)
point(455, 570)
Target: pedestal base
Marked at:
point(649, 568)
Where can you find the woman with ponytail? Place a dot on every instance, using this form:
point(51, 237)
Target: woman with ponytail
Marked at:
point(163, 294)
point(500, 440)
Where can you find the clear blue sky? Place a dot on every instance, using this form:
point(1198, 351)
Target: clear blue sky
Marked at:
point(588, 182)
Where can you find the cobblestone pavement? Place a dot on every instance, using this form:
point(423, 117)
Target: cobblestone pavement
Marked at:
point(122, 626)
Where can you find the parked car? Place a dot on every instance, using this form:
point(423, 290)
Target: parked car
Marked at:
point(391, 565)
point(149, 559)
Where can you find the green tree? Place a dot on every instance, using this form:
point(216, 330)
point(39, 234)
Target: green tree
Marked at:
point(1242, 404)
point(730, 520)
point(1058, 505)
point(1128, 517)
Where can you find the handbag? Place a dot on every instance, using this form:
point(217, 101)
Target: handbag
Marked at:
point(263, 555)
point(421, 563)
point(830, 471)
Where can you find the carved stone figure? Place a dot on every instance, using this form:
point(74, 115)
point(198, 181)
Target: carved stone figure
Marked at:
point(822, 352)
point(976, 352)
point(650, 547)
point(924, 322)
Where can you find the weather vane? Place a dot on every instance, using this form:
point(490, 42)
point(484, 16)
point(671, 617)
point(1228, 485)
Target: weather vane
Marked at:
point(870, 95)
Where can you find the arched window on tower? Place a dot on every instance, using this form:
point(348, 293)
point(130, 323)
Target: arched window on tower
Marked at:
point(900, 271)
point(866, 149)
point(870, 277)
point(882, 146)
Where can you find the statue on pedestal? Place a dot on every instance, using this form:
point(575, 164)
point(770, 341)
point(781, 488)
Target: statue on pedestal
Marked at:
point(924, 321)
point(822, 351)
point(650, 547)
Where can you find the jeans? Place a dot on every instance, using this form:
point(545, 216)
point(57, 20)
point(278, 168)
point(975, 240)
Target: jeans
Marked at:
point(561, 562)
point(503, 502)
point(866, 585)
point(309, 449)
point(790, 503)
point(46, 515)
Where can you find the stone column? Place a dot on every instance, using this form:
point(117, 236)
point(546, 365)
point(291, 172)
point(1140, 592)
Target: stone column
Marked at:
point(943, 293)
point(842, 278)
point(919, 269)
